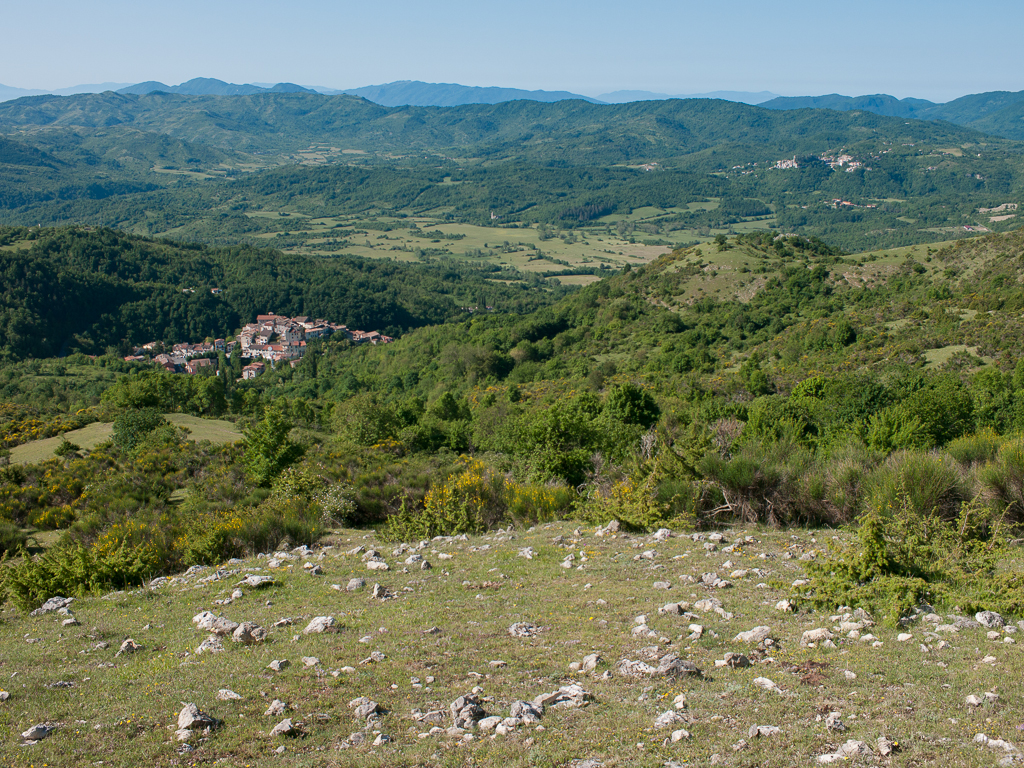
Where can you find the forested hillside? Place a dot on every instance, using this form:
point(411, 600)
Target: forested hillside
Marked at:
point(79, 290)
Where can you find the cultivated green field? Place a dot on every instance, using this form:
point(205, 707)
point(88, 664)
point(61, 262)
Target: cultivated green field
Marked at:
point(523, 248)
point(444, 633)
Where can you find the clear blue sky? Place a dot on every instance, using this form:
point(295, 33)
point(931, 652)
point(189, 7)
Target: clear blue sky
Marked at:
point(935, 49)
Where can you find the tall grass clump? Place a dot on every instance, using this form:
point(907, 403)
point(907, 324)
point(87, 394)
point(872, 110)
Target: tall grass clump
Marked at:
point(1002, 480)
point(930, 482)
point(975, 449)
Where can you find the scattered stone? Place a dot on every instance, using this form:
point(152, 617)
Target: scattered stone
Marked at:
point(466, 711)
point(758, 731)
point(526, 712)
point(191, 718)
point(249, 633)
point(53, 604)
point(283, 623)
point(226, 694)
point(378, 565)
point(990, 619)
point(284, 728)
point(679, 735)
point(523, 629)
point(766, 684)
point(489, 723)
point(815, 636)
point(662, 585)
point(755, 635)
point(355, 584)
point(256, 581)
point(319, 624)
point(129, 646)
point(277, 707)
point(662, 534)
point(528, 552)
point(212, 644)
point(310, 661)
point(673, 609)
point(736, 661)
point(36, 732)
point(668, 719)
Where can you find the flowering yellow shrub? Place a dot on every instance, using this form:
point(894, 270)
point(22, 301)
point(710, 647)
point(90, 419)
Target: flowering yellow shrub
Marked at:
point(631, 501)
point(475, 499)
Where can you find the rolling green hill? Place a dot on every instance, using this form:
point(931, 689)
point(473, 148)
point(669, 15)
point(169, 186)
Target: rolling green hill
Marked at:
point(995, 112)
point(222, 169)
point(564, 132)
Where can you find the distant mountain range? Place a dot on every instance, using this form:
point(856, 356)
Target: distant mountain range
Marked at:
point(414, 93)
point(1000, 113)
point(8, 92)
point(208, 86)
point(744, 97)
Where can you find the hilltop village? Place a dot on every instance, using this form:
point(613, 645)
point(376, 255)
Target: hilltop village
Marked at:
point(272, 339)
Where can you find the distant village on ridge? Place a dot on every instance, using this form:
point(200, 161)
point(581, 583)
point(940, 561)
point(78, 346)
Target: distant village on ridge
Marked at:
point(271, 339)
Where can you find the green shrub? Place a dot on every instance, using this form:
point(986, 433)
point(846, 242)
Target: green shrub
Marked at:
point(133, 424)
point(73, 568)
point(904, 556)
point(66, 447)
point(896, 428)
point(11, 537)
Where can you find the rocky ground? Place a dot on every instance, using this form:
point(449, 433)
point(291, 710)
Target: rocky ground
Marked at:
point(556, 646)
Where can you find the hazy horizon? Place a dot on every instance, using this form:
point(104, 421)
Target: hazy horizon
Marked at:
point(913, 49)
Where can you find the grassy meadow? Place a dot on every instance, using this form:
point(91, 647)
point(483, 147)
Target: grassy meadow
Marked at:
point(122, 710)
point(214, 430)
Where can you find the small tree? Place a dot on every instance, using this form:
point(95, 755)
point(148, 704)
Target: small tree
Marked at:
point(268, 451)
